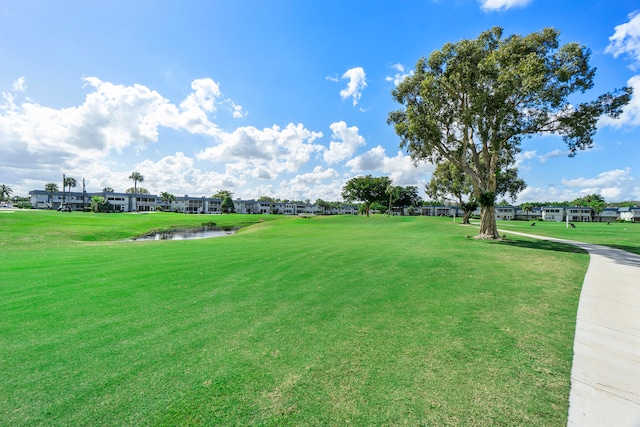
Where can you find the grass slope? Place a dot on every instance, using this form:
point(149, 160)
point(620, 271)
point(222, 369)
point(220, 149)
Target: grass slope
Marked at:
point(321, 321)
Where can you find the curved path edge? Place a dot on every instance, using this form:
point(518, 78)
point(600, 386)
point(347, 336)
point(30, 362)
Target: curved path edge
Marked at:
point(605, 373)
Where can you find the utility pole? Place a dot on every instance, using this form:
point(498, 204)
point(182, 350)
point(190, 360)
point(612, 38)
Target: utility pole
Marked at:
point(84, 192)
point(64, 184)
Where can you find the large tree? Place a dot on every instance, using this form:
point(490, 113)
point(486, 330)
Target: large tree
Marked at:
point(474, 101)
point(136, 177)
point(404, 197)
point(449, 182)
point(366, 189)
point(227, 205)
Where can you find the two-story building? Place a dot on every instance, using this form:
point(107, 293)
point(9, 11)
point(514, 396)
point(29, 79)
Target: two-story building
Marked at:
point(505, 212)
point(553, 213)
point(579, 213)
point(438, 211)
point(607, 215)
point(630, 214)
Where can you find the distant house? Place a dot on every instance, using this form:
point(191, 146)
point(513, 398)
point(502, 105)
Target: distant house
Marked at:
point(571, 214)
point(579, 213)
point(553, 213)
point(630, 214)
point(505, 212)
point(535, 214)
point(607, 215)
point(437, 211)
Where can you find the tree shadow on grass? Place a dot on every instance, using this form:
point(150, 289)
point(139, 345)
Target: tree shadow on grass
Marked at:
point(628, 256)
point(545, 245)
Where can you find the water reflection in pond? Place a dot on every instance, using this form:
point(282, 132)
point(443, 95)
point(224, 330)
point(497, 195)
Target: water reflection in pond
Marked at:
point(204, 232)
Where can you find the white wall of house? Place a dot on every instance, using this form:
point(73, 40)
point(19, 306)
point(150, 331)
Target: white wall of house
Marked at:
point(554, 213)
point(579, 214)
point(630, 214)
point(505, 212)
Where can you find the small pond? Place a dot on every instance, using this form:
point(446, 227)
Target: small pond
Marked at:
point(203, 232)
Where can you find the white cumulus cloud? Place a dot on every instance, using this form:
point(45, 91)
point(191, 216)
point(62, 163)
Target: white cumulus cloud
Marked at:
point(112, 117)
point(613, 185)
point(20, 85)
point(344, 142)
point(177, 172)
point(604, 179)
point(323, 183)
point(553, 155)
point(400, 75)
point(502, 4)
point(357, 83)
point(631, 112)
point(399, 168)
point(268, 152)
point(626, 39)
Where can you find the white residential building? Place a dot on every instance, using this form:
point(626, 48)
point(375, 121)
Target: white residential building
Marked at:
point(553, 213)
point(579, 214)
point(630, 214)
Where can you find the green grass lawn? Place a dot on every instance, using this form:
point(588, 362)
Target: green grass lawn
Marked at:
point(625, 236)
point(319, 321)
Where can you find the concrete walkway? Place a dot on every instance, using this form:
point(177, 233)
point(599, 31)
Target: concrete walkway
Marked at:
point(605, 374)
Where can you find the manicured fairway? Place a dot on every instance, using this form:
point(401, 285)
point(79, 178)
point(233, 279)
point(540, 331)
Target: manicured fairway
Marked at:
point(621, 235)
point(319, 321)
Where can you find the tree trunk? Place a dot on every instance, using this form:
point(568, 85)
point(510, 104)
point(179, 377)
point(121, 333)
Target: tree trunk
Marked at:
point(488, 226)
point(466, 216)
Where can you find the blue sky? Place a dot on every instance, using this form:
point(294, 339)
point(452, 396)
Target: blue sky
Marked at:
point(285, 98)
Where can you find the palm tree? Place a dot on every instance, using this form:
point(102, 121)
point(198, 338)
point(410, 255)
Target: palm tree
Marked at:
point(136, 177)
point(5, 191)
point(527, 207)
point(99, 204)
point(108, 190)
point(167, 198)
point(140, 190)
point(69, 182)
point(51, 187)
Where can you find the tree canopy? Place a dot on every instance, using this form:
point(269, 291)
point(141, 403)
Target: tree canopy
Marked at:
point(404, 197)
point(473, 102)
point(167, 198)
point(139, 190)
point(227, 205)
point(51, 187)
point(594, 201)
point(99, 204)
point(449, 182)
point(5, 192)
point(366, 189)
point(221, 194)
